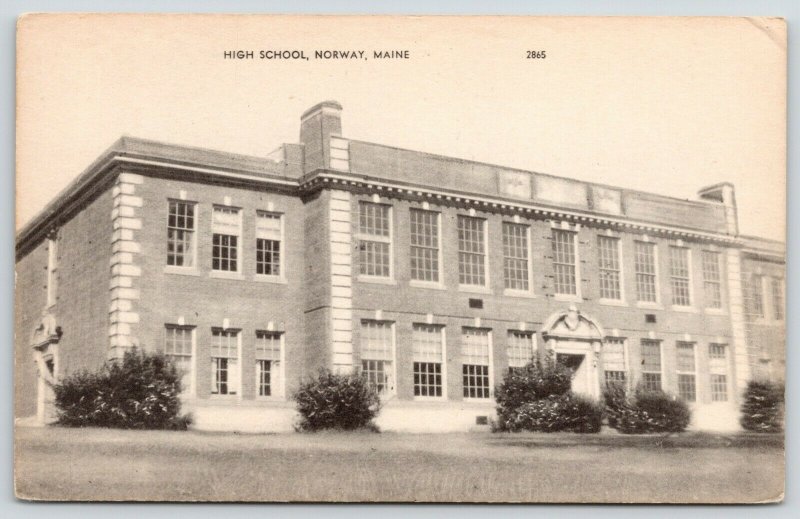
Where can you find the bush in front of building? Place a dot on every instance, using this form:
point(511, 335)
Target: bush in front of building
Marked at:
point(645, 411)
point(538, 397)
point(337, 401)
point(763, 407)
point(139, 392)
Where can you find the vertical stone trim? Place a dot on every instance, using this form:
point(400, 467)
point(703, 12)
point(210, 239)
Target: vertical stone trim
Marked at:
point(125, 272)
point(341, 237)
point(739, 349)
point(340, 154)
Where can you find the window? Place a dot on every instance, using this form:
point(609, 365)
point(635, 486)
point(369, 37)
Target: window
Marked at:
point(515, 256)
point(424, 227)
point(377, 354)
point(614, 365)
point(756, 295)
point(268, 363)
point(679, 276)
point(52, 267)
point(777, 298)
point(224, 362)
point(471, 251)
point(374, 240)
point(610, 272)
point(268, 243)
point(427, 345)
point(718, 369)
point(564, 262)
point(685, 367)
point(712, 279)
point(520, 348)
point(651, 364)
point(475, 353)
point(178, 348)
point(226, 228)
point(645, 268)
point(180, 234)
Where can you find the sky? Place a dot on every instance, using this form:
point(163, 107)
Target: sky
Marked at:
point(660, 105)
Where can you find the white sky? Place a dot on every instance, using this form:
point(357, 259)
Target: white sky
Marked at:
point(661, 105)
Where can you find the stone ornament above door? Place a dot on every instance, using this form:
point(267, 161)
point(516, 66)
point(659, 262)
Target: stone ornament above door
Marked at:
point(572, 324)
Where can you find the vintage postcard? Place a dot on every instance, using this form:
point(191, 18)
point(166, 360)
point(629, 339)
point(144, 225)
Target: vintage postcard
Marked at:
point(409, 258)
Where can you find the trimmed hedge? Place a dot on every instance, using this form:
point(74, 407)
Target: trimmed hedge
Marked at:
point(538, 398)
point(763, 407)
point(645, 412)
point(140, 392)
point(332, 401)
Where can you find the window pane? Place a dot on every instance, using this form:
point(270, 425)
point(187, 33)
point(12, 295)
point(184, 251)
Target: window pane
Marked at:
point(475, 346)
point(614, 355)
point(651, 355)
point(268, 345)
point(515, 256)
point(264, 374)
point(476, 381)
point(426, 343)
point(685, 354)
point(427, 379)
point(376, 340)
point(679, 276)
point(180, 234)
point(712, 279)
point(424, 227)
point(608, 259)
point(686, 387)
point(645, 269)
point(471, 251)
point(564, 262)
point(520, 348)
point(777, 298)
point(376, 373)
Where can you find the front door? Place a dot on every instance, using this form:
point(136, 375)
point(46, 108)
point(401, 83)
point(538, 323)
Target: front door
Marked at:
point(577, 363)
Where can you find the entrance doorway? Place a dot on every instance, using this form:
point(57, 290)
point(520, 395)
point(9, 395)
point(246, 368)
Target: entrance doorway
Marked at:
point(580, 373)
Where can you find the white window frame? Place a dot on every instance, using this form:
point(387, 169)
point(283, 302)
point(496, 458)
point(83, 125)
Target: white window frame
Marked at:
point(184, 269)
point(240, 260)
point(577, 296)
point(360, 236)
point(690, 280)
point(228, 395)
point(777, 299)
point(656, 276)
point(392, 382)
point(534, 347)
point(679, 372)
point(443, 363)
point(490, 365)
point(660, 361)
point(514, 291)
point(52, 271)
point(190, 391)
point(719, 282)
point(712, 371)
point(281, 276)
point(278, 390)
point(620, 270)
point(440, 272)
point(626, 368)
point(484, 288)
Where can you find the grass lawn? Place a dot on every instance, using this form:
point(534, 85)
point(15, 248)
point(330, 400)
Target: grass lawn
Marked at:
point(99, 464)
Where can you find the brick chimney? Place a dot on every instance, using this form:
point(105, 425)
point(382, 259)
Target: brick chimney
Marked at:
point(724, 194)
point(317, 125)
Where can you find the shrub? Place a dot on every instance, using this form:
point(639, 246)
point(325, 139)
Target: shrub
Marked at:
point(762, 409)
point(140, 392)
point(553, 413)
point(538, 398)
point(646, 412)
point(332, 401)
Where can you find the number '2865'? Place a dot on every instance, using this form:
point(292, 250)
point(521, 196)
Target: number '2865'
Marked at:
point(536, 54)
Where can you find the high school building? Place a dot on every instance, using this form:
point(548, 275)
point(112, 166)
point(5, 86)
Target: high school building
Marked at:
point(431, 275)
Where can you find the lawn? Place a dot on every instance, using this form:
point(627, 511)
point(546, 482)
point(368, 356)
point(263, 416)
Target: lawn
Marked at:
point(99, 464)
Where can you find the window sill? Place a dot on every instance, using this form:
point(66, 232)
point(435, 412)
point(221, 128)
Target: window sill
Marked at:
point(226, 275)
point(573, 298)
point(474, 289)
point(685, 309)
point(376, 280)
point(487, 400)
point(260, 278)
point(430, 285)
point(612, 302)
point(510, 292)
point(269, 399)
point(225, 398)
point(429, 399)
point(183, 271)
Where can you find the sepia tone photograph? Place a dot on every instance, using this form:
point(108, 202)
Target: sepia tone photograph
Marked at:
point(269, 258)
